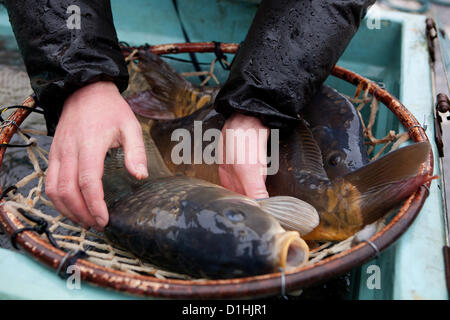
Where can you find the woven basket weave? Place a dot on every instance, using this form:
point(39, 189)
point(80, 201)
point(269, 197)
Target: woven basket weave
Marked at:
point(256, 286)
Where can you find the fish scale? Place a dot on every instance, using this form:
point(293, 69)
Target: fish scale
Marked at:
point(195, 227)
point(323, 160)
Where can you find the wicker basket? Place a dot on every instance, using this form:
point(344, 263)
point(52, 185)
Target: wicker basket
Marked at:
point(270, 284)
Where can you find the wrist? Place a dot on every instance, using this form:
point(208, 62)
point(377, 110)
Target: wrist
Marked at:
point(93, 92)
point(99, 87)
point(246, 121)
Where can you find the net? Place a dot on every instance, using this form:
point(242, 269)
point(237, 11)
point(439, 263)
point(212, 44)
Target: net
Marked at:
point(29, 198)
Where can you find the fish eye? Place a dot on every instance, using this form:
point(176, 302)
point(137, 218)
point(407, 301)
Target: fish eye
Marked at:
point(234, 215)
point(334, 160)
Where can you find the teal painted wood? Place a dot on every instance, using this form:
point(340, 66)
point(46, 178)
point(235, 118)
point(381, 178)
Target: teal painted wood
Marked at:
point(444, 42)
point(419, 267)
point(395, 55)
point(416, 269)
point(371, 288)
point(23, 278)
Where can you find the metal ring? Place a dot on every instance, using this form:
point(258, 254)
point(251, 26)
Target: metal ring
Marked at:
point(70, 259)
point(382, 85)
point(417, 126)
point(377, 251)
point(283, 283)
point(426, 187)
point(63, 262)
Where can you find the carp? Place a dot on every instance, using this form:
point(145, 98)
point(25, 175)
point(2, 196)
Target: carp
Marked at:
point(347, 197)
point(195, 227)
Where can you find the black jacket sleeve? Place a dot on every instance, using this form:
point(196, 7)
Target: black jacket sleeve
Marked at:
point(289, 51)
point(59, 59)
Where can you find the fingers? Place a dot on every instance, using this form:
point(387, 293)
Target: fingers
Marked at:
point(229, 180)
point(253, 181)
point(94, 118)
point(89, 181)
point(73, 184)
point(248, 176)
point(51, 189)
point(227, 176)
point(69, 191)
point(134, 149)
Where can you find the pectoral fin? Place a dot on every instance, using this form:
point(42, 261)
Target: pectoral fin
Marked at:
point(292, 213)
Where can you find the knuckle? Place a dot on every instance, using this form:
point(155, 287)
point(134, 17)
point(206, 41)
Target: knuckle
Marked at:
point(64, 191)
point(131, 128)
point(67, 154)
point(50, 191)
point(85, 181)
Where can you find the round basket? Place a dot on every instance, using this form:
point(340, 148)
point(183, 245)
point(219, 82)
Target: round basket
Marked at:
point(269, 284)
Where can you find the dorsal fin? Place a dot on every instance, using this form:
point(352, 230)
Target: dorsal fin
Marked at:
point(309, 153)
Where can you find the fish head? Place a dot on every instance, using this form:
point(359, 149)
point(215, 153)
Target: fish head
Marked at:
point(257, 236)
point(342, 152)
point(338, 131)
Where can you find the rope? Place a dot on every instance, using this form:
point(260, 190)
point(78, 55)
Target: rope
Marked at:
point(19, 107)
point(36, 212)
point(183, 60)
point(4, 123)
point(186, 38)
point(220, 56)
point(40, 227)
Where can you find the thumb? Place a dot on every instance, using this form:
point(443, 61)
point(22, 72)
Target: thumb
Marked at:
point(253, 181)
point(134, 149)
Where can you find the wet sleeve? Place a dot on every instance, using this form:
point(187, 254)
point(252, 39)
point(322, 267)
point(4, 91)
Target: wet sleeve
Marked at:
point(290, 49)
point(63, 53)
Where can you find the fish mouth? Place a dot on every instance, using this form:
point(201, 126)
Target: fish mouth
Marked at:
point(293, 252)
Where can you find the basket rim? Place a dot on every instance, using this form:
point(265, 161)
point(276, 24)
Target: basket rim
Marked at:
point(256, 286)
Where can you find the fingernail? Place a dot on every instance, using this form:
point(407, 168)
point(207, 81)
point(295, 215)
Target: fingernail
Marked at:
point(141, 171)
point(259, 196)
point(99, 229)
point(100, 221)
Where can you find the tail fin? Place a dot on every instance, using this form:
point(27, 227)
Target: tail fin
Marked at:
point(170, 95)
point(385, 182)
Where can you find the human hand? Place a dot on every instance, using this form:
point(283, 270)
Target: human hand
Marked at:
point(246, 172)
point(94, 119)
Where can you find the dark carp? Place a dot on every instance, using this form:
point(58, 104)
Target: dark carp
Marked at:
point(337, 129)
point(194, 227)
point(332, 118)
point(348, 192)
